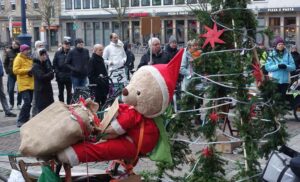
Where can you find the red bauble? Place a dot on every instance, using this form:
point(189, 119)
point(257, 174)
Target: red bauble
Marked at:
point(213, 117)
point(207, 152)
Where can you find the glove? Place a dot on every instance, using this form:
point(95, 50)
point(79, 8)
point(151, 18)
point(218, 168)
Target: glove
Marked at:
point(282, 66)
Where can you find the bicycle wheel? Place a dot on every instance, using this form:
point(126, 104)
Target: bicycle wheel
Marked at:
point(80, 93)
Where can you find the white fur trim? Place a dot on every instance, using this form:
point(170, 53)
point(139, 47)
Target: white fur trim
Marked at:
point(71, 155)
point(117, 127)
point(163, 87)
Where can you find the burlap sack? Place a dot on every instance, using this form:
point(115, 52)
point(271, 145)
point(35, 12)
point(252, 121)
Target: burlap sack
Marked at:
point(53, 129)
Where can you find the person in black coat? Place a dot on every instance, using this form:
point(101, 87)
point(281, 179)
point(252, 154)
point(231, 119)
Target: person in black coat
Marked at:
point(158, 55)
point(43, 74)
point(129, 64)
point(97, 72)
point(62, 72)
point(171, 48)
point(296, 57)
point(78, 60)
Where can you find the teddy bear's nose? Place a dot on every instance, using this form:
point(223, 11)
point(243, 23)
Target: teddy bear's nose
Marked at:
point(124, 92)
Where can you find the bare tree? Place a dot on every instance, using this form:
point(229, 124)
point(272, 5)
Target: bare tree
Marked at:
point(119, 8)
point(48, 11)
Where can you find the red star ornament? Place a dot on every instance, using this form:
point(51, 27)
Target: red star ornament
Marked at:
point(213, 117)
point(212, 36)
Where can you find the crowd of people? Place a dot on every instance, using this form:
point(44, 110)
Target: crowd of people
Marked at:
point(74, 67)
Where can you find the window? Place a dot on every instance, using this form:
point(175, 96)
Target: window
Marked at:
point(125, 33)
point(77, 4)
point(106, 33)
point(156, 2)
point(88, 31)
point(168, 29)
point(192, 29)
point(52, 15)
point(96, 32)
point(68, 4)
point(179, 1)
point(13, 4)
point(135, 3)
point(274, 24)
point(168, 2)
point(116, 28)
point(86, 4)
point(145, 2)
point(95, 3)
point(104, 3)
point(124, 3)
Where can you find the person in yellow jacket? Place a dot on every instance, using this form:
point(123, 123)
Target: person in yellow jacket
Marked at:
point(22, 69)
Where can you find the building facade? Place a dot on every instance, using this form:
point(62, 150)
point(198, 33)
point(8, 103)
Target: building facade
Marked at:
point(281, 17)
point(89, 20)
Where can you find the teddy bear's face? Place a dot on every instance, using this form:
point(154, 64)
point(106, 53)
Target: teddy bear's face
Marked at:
point(144, 93)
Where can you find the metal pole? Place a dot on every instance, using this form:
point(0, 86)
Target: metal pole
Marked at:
point(24, 38)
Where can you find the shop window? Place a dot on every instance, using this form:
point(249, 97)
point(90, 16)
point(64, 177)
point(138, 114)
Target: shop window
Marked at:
point(156, 2)
point(136, 32)
point(116, 27)
point(125, 33)
point(168, 29)
point(179, 1)
point(88, 31)
point(77, 4)
point(168, 2)
point(68, 4)
point(145, 2)
point(180, 31)
point(135, 3)
point(104, 3)
point(106, 33)
point(274, 24)
point(96, 32)
point(86, 4)
point(290, 30)
point(192, 29)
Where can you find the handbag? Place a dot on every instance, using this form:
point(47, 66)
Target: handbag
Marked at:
point(278, 167)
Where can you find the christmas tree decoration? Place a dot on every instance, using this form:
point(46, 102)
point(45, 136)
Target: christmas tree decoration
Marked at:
point(257, 73)
point(212, 36)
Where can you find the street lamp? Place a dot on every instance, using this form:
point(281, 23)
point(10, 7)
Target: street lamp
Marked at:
point(24, 38)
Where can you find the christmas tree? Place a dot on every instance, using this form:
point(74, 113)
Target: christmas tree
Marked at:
point(229, 67)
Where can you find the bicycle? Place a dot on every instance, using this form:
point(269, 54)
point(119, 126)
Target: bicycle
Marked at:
point(83, 92)
point(293, 94)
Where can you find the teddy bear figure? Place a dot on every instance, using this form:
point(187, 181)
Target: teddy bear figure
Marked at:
point(133, 130)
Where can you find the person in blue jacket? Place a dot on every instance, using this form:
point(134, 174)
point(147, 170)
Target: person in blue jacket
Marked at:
point(279, 65)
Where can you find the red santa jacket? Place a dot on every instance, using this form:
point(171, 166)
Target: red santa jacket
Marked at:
point(128, 122)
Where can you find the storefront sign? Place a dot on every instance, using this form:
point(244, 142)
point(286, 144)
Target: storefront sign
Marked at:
point(132, 15)
point(178, 13)
point(280, 9)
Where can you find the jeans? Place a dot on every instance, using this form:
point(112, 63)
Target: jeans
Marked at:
point(11, 81)
point(25, 110)
point(78, 82)
point(3, 97)
point(61, 85)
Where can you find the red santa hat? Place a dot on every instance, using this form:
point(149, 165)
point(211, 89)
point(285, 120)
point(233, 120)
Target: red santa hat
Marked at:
point(166, 76)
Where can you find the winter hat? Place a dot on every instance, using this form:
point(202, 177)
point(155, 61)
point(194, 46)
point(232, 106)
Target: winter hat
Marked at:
point(24, 47)
point(277, 40)
point(42, 51)
point(172, 39)
point(166, 75)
